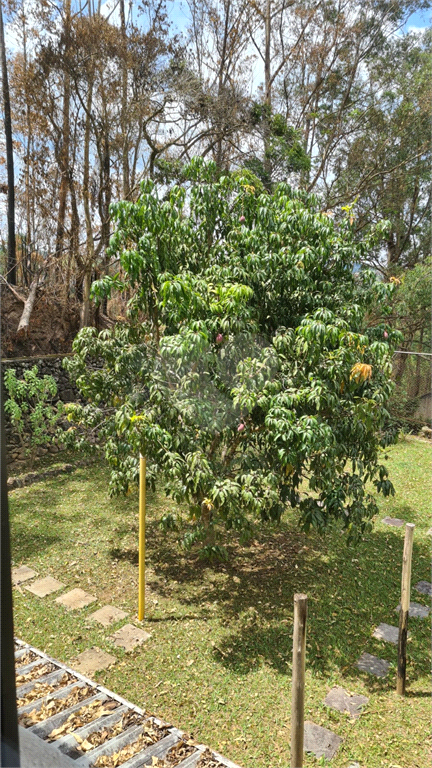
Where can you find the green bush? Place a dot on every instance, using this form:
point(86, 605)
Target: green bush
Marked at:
point(32, 412)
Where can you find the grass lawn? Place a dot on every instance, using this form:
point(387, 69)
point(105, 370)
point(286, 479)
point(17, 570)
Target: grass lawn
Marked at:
point(218, 664)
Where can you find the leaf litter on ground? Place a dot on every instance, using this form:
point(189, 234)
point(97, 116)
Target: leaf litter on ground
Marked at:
point(54, 706)
point(39, 671)
point(208, 761)
point(26, 659)
point(83, 716)
point(40, 690)
point(100, 737)
point(150, 735)
point(179, 752)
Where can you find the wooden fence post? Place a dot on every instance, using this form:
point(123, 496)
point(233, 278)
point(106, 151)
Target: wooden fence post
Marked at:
point(298, 680)
point(404, 611)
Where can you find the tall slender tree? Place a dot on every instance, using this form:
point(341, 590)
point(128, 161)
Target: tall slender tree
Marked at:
point(11, 245)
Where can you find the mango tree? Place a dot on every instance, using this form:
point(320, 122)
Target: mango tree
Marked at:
point(248, 370)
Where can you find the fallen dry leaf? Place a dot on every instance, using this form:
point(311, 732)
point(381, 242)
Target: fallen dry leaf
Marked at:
point(40, 690)
point(151, 734)
point(39, 671)
point(208, 761)
point(83, 716)
point(27, 659)
point(53, 706)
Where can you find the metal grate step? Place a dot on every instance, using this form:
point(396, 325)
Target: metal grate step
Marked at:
point(69, 745)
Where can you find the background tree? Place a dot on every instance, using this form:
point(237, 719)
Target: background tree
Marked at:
point(11, 246)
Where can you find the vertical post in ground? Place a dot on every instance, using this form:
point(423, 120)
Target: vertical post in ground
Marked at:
point(141, 539)
point(298, 680)
point(404, 611)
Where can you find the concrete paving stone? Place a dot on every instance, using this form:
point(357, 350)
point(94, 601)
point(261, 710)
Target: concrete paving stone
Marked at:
point(23, 573)
point(424, 587)
point(128, 637)
point(75, 599)
point(320, 741)
point(108, 615)
point(388, 633)
point(416, 611)
point(44, 587)
point(343, 701)
point(91, 661)
point(372, 664)
point(354, 765)
point(395, 521)
point(429, 532)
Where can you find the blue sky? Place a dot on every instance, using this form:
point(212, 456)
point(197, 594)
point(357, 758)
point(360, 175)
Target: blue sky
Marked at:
point(419, 20)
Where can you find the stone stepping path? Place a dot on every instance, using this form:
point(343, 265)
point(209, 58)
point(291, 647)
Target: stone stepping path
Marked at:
point(343, 701)
point(320, 741)
point(93, 660)
point(424, 587)
point(373, 665)
point(396, 522)
point(107, 615)
point(416, 611)
point(75, 599)
point(19, 575)
point(129, 637)
point(44, 587)
point(388, 633)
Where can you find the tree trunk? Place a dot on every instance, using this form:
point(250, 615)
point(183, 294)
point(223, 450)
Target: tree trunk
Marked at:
point(28, 307)
point(124, 101)
point(85, 309)
point(267, 91)
point(90, 255)
point(11, 249)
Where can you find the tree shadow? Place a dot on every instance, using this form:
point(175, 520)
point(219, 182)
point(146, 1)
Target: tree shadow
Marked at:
point(350, 591)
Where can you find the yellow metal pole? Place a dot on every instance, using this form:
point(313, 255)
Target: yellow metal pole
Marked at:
point(141, 539)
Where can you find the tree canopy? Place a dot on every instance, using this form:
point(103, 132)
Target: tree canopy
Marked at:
point(246, 370)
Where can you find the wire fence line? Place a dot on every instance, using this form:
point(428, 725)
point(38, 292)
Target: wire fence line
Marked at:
point(411, 402)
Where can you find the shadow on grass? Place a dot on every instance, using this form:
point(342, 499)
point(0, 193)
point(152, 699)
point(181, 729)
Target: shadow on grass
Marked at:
point(350, 590)
point(31, 543)
point(129, 555)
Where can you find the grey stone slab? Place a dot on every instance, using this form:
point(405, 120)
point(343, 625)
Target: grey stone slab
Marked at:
point(75, 599)
point(354, 765)
point(129, 637)
point(416, 611)
point(92, 660)
point(24, 573)
point(372, 664)
point(387, 632)
point(424, 587)
point(343, 701)
point(107, 615)
point(395, 521)
point(320, 741)
point(44, 587)
point(429, 532)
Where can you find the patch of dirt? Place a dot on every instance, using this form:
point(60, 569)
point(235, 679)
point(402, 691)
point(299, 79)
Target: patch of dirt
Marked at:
point(51, 330)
